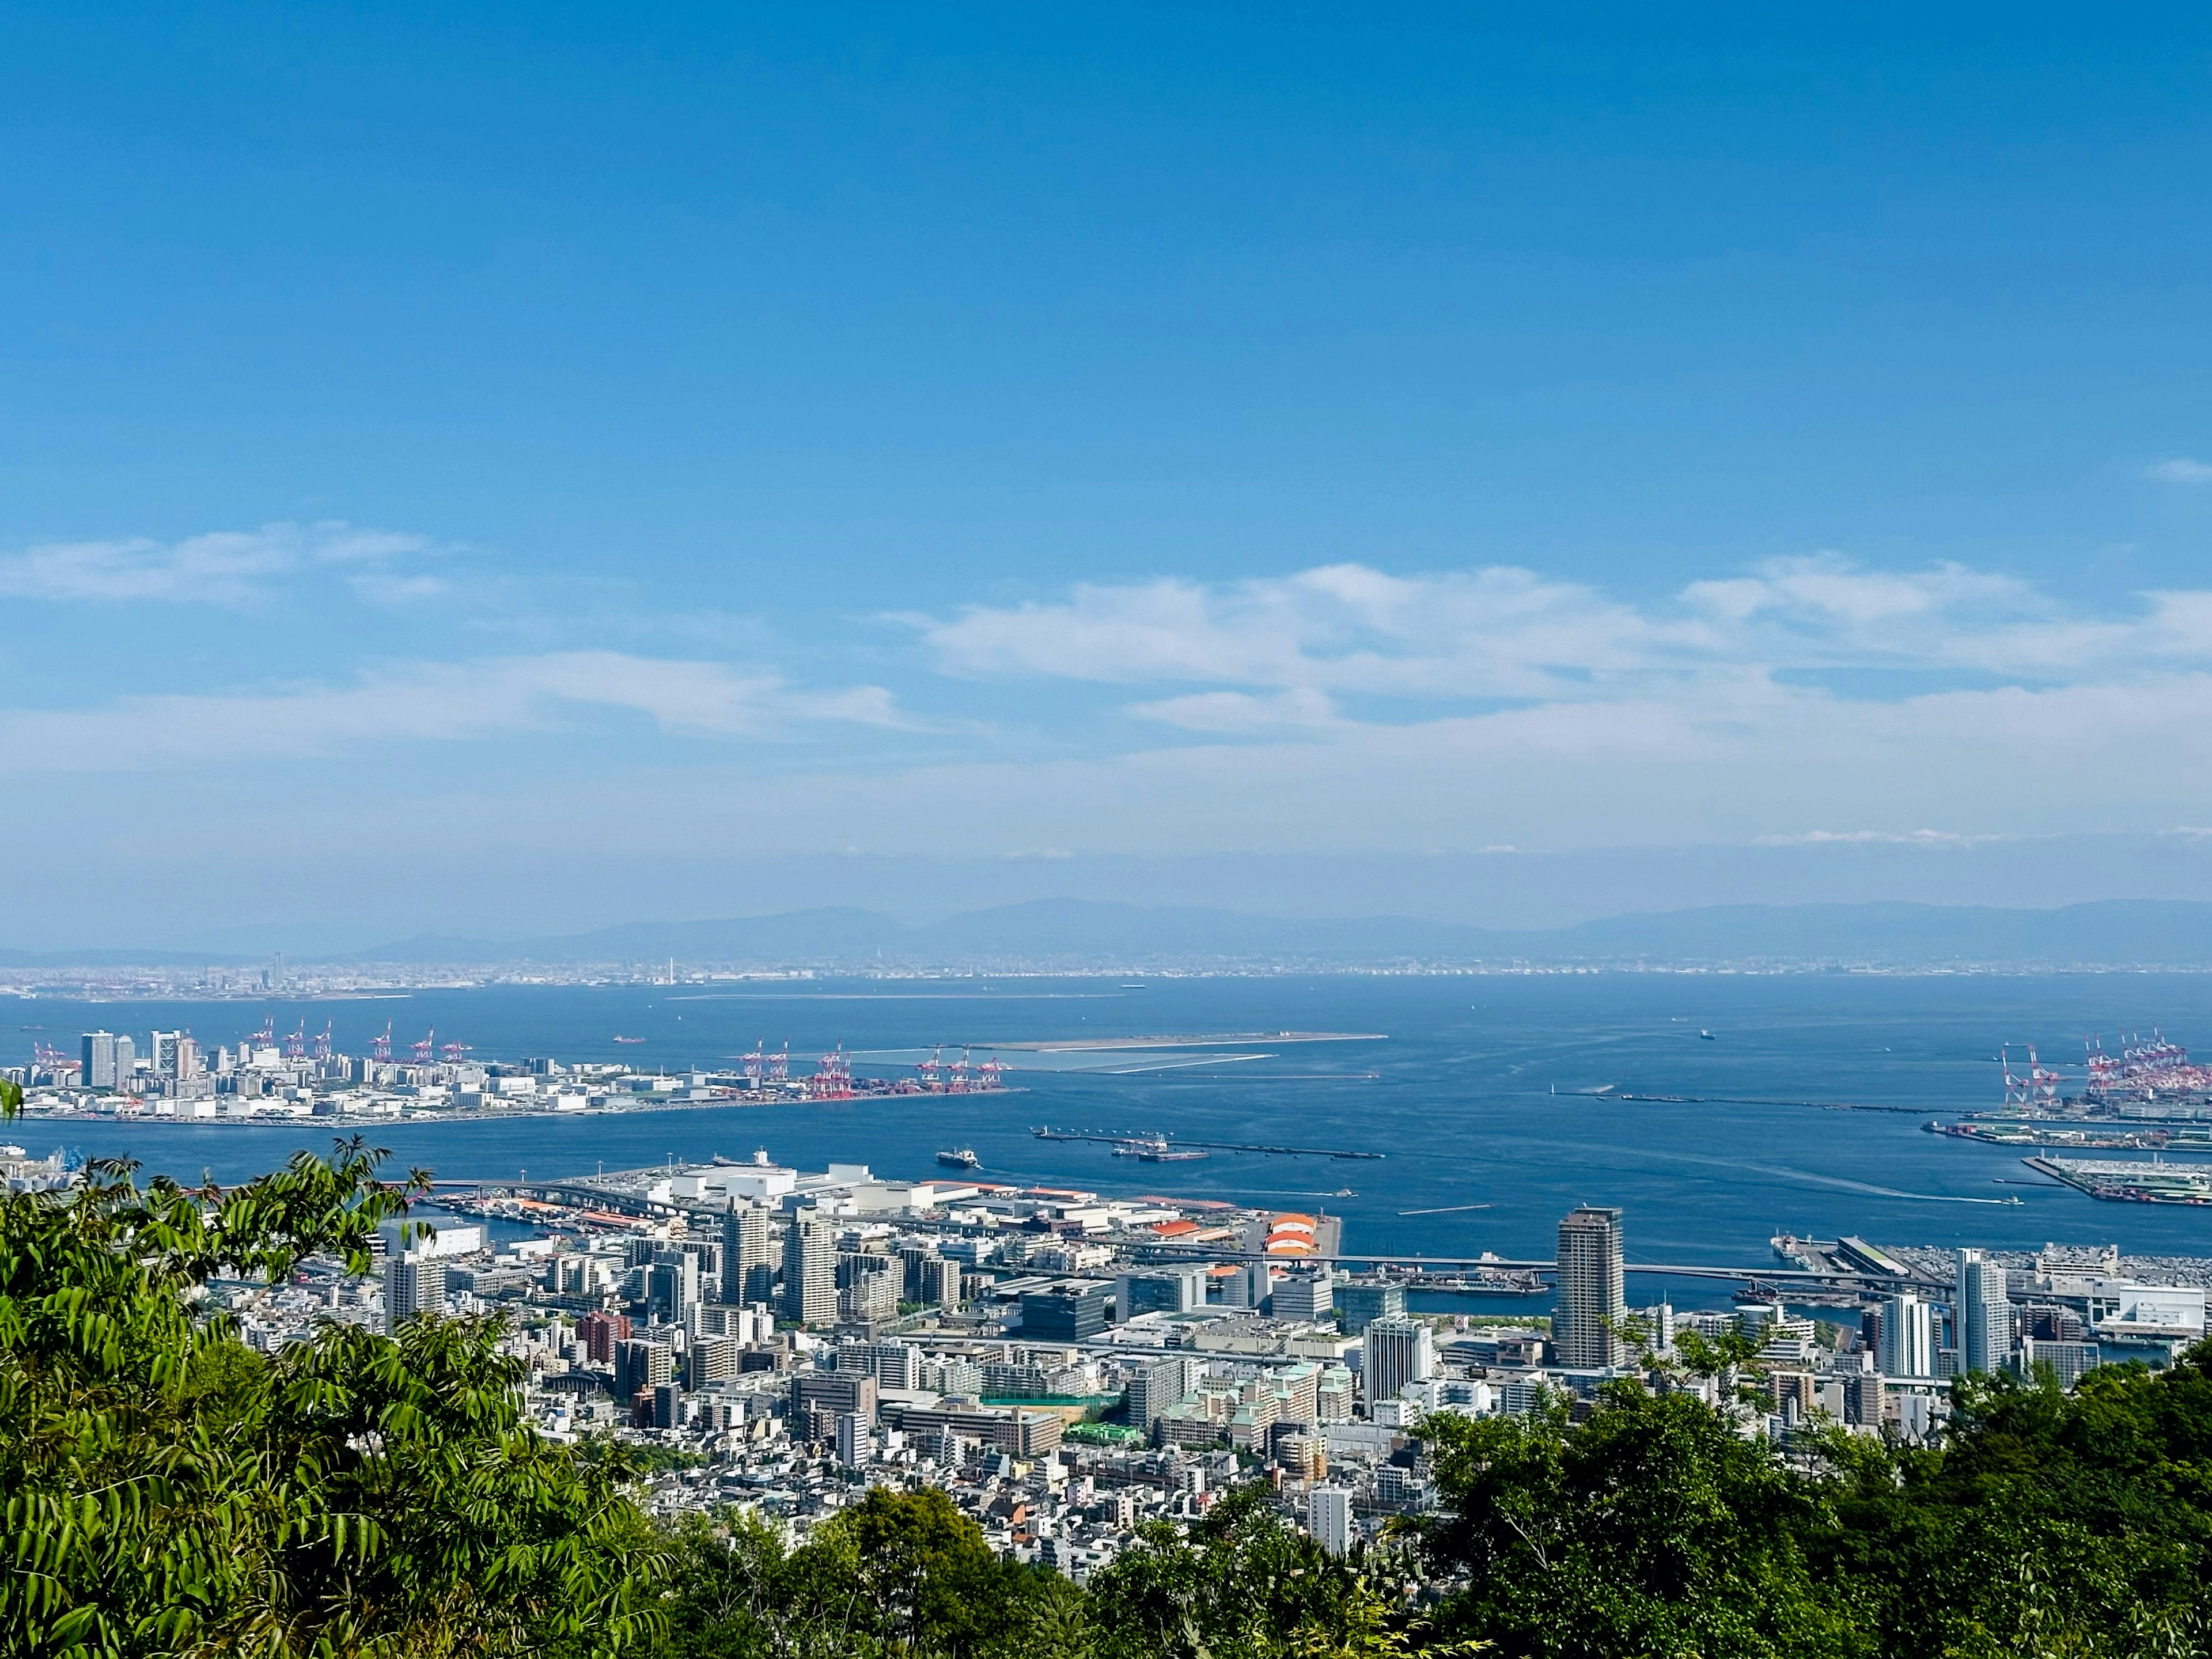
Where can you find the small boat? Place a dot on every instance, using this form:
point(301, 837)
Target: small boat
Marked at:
point(624, 1039)
point(962, 1157)
point(1707, 1036)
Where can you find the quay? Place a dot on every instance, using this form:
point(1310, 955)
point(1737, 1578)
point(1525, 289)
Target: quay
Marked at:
point(1211, 1146)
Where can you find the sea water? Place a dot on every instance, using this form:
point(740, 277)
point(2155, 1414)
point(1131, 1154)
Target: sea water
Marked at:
point(1455, 1089)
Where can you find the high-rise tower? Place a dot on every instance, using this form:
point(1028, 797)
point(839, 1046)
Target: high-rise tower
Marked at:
point(1593, 1297)
point(810, 1271)
point(748, 1254)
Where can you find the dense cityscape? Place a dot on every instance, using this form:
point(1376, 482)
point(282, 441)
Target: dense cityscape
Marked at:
point(1067, 1366)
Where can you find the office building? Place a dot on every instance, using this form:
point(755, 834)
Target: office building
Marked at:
point(1249, 1286)
point(748, 1254)
point(1394, 1352)
point(2069, 1362)
point(1329, 1518)
point(411, 1286)
point(1907, 1337)
point(1072, 1310)
point(1159, 1290)
point(819, 1399)
point(1307, 1296)
point(1983, 1313)
point(810, 1270)
point(671, 1288)
point(667, 1405)
point(1358, 1306)
point(1593, 1299)
point(640, 1365)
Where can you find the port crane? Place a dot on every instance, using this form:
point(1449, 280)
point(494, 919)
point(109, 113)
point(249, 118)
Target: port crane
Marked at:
point(52, 1062)
point(323, 1041)
point(426, 1051)
point(380, 1048)
point(832, 1079)
point(2039, 1088)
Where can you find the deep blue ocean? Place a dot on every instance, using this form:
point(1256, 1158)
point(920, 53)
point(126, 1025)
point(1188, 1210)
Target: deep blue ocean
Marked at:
point(1460, 1100)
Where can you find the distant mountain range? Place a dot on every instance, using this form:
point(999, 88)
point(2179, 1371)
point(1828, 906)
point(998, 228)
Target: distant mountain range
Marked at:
point(1079, 934)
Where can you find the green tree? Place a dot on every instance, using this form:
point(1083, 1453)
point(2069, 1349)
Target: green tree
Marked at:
point(899, 1573)
point(171, 1490)
point(1653, 1529)
point(1242, 1585)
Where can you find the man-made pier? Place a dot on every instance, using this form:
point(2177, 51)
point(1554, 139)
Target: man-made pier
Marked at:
point(1209, 1145)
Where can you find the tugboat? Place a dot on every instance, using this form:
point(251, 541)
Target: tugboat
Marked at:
point(962, 1157)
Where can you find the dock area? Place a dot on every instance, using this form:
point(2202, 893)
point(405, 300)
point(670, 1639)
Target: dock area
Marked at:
point(2131, 1180)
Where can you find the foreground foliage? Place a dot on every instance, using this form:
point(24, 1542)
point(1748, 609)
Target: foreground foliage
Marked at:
point(170, 1490)
point(167, 1490)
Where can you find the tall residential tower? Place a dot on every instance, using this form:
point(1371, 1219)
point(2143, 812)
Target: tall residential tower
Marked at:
point(1593, 1298)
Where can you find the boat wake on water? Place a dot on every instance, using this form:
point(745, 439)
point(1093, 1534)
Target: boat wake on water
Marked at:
point(1842, 1183)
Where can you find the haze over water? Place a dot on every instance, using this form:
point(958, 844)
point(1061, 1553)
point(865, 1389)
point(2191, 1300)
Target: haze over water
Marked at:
point(1462, 1105)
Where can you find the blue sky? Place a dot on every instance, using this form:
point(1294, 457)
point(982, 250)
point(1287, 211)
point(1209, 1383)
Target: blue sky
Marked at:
point(548, 465)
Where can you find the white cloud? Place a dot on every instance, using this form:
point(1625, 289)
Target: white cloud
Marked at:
point(2180, 470)
point(1304, 649)
point(231, 569)
point(1238, 711)
point(1878, 837)
point(420, 703)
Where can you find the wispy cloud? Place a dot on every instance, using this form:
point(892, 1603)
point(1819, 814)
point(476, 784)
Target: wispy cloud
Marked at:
point(1281, 651)
point(1879, 838)
point(414, 703)
point(2180, 469)
point(230, 568)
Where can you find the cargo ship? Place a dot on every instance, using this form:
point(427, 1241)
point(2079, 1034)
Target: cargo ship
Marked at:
point(962, 1157)
point(1155, 1149)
